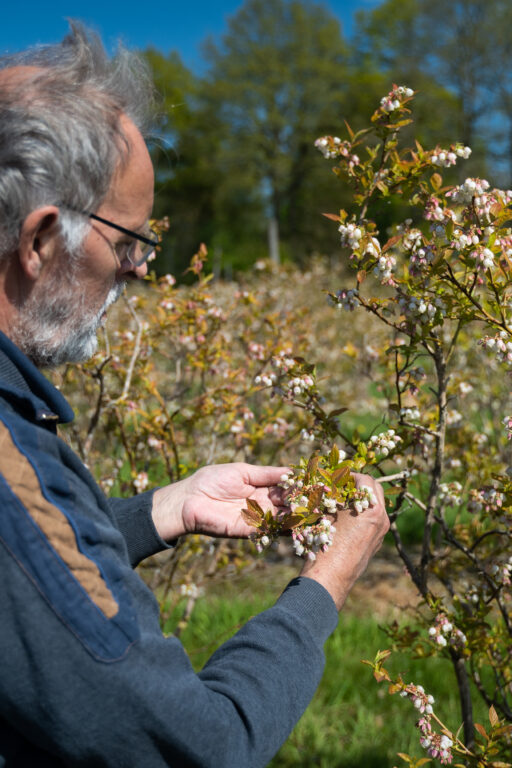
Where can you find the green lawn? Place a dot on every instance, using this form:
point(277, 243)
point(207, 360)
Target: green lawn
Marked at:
point(352, 722)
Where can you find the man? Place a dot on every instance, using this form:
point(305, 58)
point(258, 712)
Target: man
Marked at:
point(87, 677)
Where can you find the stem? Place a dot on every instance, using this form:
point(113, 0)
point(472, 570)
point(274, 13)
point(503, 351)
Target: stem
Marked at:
point(462, 288)
point(466, 704)
point(437, 471)
point(135, 354)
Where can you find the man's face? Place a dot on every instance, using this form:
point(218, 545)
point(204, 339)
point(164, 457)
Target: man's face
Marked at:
point(60, 319)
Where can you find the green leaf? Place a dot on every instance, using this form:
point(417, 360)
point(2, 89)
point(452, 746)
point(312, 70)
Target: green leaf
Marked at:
point(312, 519)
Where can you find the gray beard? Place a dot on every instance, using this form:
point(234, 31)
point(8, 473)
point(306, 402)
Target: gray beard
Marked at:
point(55, 328)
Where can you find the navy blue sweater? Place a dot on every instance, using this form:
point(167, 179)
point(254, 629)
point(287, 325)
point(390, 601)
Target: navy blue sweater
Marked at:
point(87, 678)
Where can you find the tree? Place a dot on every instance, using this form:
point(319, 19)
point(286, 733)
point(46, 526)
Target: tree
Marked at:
point(276, 75)
point(448, 52)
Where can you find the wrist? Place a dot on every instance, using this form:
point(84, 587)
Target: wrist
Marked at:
point(167, 510)
point(338, 585)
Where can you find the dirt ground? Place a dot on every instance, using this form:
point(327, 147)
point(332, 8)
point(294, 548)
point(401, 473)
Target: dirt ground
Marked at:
point(384, 589)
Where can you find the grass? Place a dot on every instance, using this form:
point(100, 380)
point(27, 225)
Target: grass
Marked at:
point(351, 722)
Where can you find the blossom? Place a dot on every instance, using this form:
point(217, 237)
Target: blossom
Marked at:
point(141, 481)
point(450, 493)
point(312, 539)
point(191, 590)
point(443, 632)
point(384, 443)
point(384, 268)
point(410, 414)
point(395, 97)
point(347, 299)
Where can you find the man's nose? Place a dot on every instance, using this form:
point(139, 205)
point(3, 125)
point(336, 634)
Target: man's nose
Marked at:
point(127, 270)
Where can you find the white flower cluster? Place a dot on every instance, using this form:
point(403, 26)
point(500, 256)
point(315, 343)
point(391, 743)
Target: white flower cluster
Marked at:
point(423, 310)
point(443, 632)
point(299, 385)
point(191, 590)
point(355, 238)
point(497, 344)
point(486, 499)
point(267, 379)
point(462, 240)
point(384, 443)
point(507, 422)
point(450, 493)
point(434, 210)
point(453, 417)
point(471, 189)
point(256, 351)
point(365, 498)
point(141, 481)
point(283, 360)
point(351, 235)
point(503, 573)
point(421, 255)
point(384, 268)
point(395, 97)
point(328, 146)
point(333, 146)
point(422, 701)
point(437, 745)
point(484, 258)
point(314, 538)
point(239, 425)
point(448, 157)
point(308, 437)
point(347, 299)
point(410, 414)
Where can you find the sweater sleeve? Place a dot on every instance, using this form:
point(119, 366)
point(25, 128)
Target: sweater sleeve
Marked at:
point(90, 678)
point(134, 520)
point(147, 706)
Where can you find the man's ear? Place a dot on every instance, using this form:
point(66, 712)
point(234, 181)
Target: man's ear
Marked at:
point(39, 239)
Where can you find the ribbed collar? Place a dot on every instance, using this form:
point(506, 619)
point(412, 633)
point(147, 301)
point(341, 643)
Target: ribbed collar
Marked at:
point(21, 381)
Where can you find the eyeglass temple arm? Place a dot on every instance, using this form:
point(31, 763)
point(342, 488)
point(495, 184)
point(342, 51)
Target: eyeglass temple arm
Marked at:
point(122, 229)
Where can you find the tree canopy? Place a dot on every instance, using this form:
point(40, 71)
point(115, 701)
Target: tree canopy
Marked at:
point(236, 163)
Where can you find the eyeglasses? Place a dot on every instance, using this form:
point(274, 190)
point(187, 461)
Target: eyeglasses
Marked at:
point(138, 250)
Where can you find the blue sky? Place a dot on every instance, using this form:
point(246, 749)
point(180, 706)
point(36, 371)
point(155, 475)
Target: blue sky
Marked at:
point(165, 25)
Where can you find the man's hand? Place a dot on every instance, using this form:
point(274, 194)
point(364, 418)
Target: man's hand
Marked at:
point(357, 538)
point(210, 500)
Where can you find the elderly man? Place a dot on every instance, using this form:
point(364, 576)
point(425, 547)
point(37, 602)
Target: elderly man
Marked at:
point(87, 678)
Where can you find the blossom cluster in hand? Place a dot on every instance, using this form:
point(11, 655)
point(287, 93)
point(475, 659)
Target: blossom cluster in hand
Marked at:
point(315, 490)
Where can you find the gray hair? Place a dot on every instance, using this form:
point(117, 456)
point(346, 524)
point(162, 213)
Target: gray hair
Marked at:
point(60, 135)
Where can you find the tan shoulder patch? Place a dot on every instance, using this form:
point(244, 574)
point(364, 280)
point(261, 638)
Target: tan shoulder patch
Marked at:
point(23, 481)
